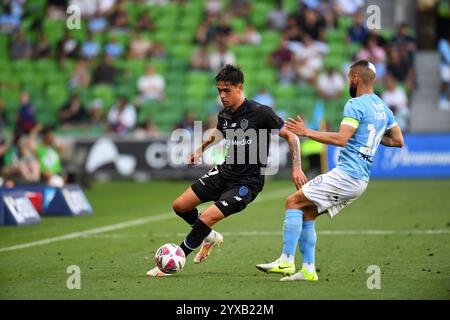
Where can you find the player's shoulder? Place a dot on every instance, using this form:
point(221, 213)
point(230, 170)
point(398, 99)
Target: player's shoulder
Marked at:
point(259, 108)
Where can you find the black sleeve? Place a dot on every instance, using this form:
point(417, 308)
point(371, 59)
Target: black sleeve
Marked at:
point(220, 123)
point(270, 119)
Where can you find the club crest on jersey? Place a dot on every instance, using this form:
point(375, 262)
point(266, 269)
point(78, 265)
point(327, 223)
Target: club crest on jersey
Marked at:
point(243, 191)
point(317, 180)
point(244, 124)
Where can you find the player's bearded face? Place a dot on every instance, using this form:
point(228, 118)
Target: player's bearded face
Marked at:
point(353, 87)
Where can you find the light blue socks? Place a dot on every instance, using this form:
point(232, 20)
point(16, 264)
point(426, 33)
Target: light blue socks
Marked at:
point(292, 230)
point(307, 242)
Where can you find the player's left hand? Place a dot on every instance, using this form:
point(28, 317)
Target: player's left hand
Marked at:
point(299, 178)
point(296, 126)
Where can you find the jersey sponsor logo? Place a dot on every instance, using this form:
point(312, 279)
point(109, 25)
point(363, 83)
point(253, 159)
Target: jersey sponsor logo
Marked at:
point(244, 124)
point(365, 157)
point(243, 191)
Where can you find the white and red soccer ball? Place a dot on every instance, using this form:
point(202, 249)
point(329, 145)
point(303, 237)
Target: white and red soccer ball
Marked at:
point(170, 258)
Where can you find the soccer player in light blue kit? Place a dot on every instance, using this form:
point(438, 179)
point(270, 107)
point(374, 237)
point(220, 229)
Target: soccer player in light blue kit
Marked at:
point(367, 122)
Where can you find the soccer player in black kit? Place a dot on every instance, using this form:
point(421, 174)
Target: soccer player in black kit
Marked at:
point(236, 182)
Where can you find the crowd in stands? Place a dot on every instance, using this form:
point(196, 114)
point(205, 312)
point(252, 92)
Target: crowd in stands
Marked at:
point(117, 37)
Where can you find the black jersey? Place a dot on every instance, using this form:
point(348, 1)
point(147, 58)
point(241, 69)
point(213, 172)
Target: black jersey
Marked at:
point(247, 138)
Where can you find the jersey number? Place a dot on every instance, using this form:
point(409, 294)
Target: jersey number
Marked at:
point(373, 141)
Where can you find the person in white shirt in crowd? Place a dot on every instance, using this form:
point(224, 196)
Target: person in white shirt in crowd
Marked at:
point(330, 84)
point(277, 17)
point(308, 57)
point(348, 7)
point(151, 86)
point(397, 100)
point(221, 57)
point(122, 117)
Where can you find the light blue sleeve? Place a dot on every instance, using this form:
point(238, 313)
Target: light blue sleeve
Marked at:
point(352, 110)
point(391, 122)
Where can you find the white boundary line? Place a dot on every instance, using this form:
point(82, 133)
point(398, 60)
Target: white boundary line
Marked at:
point(279, 233)
point(131, 223)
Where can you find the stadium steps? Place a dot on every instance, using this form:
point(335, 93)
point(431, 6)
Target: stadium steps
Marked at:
point(425, 114)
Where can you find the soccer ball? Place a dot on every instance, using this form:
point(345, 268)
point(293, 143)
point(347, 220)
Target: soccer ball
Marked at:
point(170, 258)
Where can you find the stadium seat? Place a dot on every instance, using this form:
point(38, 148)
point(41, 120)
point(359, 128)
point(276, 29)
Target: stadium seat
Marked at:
point(105, 93)
point(57, 96)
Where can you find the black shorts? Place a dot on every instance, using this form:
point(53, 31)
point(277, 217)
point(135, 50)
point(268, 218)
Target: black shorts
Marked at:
point(230, 196)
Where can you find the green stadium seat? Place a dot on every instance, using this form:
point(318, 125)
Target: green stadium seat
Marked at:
point(54, 30)
point(335, 35)
point(56, 95)
point(105, 93)
point(306, 90)
point(285, 91)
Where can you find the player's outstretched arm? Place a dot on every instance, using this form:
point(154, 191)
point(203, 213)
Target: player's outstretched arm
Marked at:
point(339, 139)
point(215, 137)
point(298, 176)
point(393, 138)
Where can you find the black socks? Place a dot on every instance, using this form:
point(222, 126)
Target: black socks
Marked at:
point(189, 216)
point(195, 238)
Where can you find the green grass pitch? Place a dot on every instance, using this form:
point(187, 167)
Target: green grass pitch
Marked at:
point(401, 226)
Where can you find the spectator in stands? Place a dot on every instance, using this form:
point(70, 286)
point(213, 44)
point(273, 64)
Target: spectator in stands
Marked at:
point(395, 97)
point(26, 118)
point(9, 22)
point(187, 122)
point(90, 49)
point(281, 55)
point(264, 97)
point(145, 23)
point(151, 86)
point(119, 19)
point(404, 41)
point(140, 47)
point(49, 151)
point(200, 59)
point(146, 130)
point(81, 76)
point(286, 74)
point(158, 51)
point(87, 7)
point(114, 48)
point(3, 116)
point(67, 47)
point(105, 72)
point(330, 84)
point(205, 32)
point(375, 54)
point(444, 51)
point(277, 16)
point(250, 36)
point(240, 8)
point(122, 117)
point(401, 69)
point(21, 48)
point(73, 112)
point(292, 32)
point(357, 32)
point(308, 58)
point(221, 56)
point(97, 23)
point(20, 163)
point(312, 24)
point(42, 48)
point(224, 32)
point(95, 113)
point(348, 7)
point(213, 8)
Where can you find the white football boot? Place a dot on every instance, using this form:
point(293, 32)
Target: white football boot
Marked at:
point(212, 240)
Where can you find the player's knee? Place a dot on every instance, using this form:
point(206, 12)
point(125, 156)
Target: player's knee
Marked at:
point(291, 202)
point(179, 207)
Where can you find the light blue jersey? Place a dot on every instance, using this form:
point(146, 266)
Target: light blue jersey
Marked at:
point(371, 117)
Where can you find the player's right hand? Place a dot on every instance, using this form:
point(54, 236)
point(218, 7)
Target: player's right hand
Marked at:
point(194, 157)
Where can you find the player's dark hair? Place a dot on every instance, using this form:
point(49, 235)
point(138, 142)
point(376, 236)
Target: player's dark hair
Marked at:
point(360, 63)
point(230, 73)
